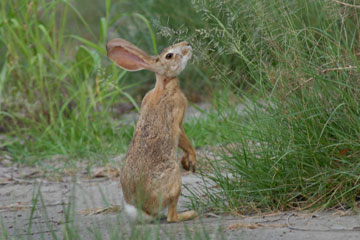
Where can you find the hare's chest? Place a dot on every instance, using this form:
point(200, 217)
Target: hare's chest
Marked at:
point(154, 137)
point(156, 121)
point(159, 117)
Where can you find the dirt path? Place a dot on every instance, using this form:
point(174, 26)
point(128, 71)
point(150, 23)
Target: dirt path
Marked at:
point(42, 209)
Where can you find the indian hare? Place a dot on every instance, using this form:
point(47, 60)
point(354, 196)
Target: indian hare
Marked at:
point(150, 175)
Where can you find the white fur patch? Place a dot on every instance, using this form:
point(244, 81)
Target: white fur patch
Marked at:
point(136, 215)
point(131, 212)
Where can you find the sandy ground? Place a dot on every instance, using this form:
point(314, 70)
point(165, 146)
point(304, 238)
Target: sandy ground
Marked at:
point(87, 208)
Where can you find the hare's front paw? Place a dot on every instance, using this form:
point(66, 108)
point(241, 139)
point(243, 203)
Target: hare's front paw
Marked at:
point(189, 161)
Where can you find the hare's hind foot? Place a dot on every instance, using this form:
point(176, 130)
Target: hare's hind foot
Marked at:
point(184, 216)
point(174, 216)
point(188, 215)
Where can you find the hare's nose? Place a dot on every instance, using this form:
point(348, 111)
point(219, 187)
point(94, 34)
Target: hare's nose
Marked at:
point(185, 43)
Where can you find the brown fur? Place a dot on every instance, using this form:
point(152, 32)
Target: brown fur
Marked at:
point(150, 175)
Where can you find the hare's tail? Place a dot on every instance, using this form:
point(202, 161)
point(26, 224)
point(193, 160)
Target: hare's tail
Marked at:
point(136, 215)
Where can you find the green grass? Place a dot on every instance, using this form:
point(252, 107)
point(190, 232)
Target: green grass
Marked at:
point(59, 94)
point(294, 64)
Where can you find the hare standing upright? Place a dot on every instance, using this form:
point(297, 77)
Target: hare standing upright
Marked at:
point(150, 175)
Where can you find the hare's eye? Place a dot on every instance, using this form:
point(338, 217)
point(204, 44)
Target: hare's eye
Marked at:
point(169, 55)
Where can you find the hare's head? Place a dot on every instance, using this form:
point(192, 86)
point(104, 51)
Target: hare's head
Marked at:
point(169, 63)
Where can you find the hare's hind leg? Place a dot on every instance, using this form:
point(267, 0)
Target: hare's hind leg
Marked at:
point(174, 216)
point(171, 196)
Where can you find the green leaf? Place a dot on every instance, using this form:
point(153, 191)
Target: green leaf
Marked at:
point(98, 48)
point(85, 60)
point(152, 34)
point(107, 7)
point(103, 30)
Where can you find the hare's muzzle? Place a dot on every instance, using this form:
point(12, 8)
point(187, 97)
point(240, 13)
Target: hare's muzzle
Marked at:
point(186, 49)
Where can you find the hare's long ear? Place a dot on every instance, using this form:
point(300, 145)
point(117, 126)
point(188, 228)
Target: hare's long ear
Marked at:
point(128, 56)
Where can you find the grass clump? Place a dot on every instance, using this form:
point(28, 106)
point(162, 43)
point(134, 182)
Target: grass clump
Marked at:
point(294, 65)
point(58, 95)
